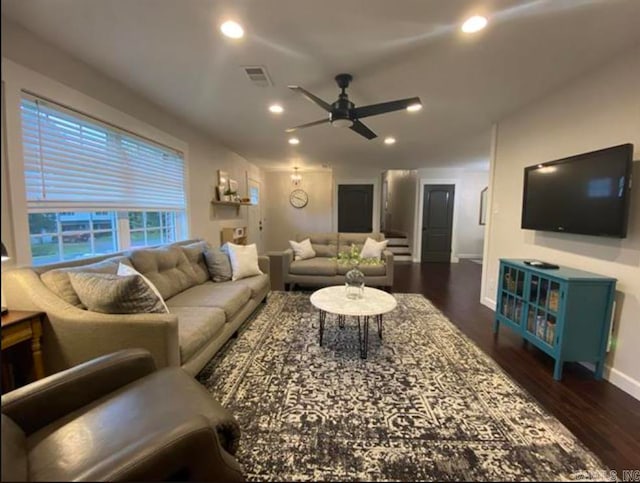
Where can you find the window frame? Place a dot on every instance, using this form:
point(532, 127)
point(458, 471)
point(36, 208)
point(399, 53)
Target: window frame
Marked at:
point(17, 80)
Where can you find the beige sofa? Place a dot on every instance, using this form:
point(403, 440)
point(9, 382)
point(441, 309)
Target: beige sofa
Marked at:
point(203, 314)
point(324, 270)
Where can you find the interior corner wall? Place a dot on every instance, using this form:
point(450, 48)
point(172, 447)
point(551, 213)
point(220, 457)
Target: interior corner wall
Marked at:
point(205, 155)
point(401, 197)
point(598, 110)
point(468, 234)
point(282, 221)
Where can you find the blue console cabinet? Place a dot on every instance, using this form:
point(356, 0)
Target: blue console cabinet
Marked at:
point(565, 312)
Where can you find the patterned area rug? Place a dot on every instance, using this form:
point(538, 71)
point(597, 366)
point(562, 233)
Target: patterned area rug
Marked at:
point(427, 404)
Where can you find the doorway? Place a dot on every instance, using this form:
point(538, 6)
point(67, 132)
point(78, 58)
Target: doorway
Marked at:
point(355, 208)
point(254, 218)
point(437, 222)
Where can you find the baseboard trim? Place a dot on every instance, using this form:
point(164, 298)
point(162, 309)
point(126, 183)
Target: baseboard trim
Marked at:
point(622, 381)
point(487, 302)
point(469, 255)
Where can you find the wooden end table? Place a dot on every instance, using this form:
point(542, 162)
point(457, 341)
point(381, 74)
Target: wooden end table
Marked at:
point(19, 326)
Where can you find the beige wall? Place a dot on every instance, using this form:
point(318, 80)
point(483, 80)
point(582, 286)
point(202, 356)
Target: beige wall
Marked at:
point(468, 234)
point(282, 220)
point(598, 110)
point(205, 154)
point(401, 209)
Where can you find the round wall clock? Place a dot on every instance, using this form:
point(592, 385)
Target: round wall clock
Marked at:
point(299, 198)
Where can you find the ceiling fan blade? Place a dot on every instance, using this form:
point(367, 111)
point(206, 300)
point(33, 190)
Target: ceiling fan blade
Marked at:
point(309, 124)
point(383, 107)
point(363, 130)
point(313, 98)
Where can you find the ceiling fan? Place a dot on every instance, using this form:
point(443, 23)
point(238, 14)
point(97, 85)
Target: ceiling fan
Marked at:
point(344, 113)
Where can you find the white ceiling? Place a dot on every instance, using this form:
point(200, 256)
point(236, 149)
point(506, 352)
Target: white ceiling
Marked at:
point(171, 52)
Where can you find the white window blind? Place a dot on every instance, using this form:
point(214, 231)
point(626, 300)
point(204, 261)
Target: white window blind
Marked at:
point(74, 162)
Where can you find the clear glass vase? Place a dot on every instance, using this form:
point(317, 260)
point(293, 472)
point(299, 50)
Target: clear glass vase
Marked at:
point(354, 283)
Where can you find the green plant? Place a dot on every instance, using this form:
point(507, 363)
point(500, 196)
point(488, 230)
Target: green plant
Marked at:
point(352, 257)
point(228, 192)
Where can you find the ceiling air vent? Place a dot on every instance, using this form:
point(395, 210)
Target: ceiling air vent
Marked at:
point(258, 75)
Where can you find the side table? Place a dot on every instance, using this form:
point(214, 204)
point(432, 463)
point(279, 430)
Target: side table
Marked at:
point(20, 326)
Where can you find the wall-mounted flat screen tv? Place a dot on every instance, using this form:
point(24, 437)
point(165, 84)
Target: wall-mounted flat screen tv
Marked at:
point(587, 194)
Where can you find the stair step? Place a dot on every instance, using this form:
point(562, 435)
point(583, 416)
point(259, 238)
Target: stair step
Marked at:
point(402, 258)
point(398, 241)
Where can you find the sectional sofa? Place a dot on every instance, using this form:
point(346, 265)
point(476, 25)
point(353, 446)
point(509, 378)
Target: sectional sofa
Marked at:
point(323, 269)
point(203, 314)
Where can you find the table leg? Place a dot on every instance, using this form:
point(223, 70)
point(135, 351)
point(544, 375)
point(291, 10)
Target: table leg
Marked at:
point(36, 352)
point(379, 320)
point(341, 321)
point(366, 336)
point(323, 316)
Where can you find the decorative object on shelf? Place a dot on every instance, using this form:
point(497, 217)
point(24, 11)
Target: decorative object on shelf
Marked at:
point(299, 198)
point(233, 188)
point(5, 257)
point(296, 178)
point(237, 235)
point(483, 206)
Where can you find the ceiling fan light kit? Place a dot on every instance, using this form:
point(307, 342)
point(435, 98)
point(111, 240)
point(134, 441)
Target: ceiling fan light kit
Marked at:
point(344, 113)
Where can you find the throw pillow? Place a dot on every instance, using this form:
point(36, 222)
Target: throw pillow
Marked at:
point(302, 250)
point(244, 260)
point(373, 249)
point(124, 270)
point(112, 294)
point(218, 264)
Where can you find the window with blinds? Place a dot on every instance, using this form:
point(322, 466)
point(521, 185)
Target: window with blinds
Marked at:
point(92, 188)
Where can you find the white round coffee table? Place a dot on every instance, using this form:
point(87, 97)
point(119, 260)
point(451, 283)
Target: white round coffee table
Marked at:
point(374, 303)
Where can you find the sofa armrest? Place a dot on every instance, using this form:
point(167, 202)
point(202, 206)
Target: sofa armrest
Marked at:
point(263, 264)
point(280, 262)
point(190, 444)
point(38, 404)
point(388, 261)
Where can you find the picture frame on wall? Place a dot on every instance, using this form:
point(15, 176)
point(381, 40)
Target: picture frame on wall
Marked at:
point(483, 206)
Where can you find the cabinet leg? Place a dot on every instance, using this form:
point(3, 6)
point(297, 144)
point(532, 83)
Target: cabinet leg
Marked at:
point(599, 370)
point(557, 370)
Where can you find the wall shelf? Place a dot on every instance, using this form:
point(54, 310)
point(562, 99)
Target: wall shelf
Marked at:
point(233, 204)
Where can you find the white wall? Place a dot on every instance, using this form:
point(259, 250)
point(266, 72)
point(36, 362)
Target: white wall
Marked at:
point(468, 234)
point(596, 111)
point(402, 202)
point(282, 220)
point(63, 73)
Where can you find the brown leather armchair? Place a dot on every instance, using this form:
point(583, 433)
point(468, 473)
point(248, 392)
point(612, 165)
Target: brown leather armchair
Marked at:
point(116, 418)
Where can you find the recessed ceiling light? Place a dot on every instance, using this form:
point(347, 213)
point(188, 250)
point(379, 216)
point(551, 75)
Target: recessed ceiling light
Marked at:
point(232, 29)
point(390, 140)
point(276, 108)
point(474, 24)
point(294, 141)
point(414, 107)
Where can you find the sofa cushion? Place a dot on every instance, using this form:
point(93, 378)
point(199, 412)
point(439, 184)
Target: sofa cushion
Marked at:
point(114, 294)
point(167, 267)
point(14, 452)
point(195, 254)
point(314, 266)
point(345, 240)
point(368, 270)
point(324, 244)
point(197, 326)
point(258, 284)
point(218, 264)
point(228, 297)
point(57, 280)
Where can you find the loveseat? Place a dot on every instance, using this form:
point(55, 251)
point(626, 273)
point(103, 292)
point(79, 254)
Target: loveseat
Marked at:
point(202, 316)
point(323, 269)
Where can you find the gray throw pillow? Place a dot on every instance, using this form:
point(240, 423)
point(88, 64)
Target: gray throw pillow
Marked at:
point(115, 294)
point(218, 264)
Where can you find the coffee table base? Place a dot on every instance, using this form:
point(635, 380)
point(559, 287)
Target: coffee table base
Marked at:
point(363, 330)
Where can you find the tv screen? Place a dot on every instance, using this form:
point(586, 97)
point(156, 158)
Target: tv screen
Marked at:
point(586, 194)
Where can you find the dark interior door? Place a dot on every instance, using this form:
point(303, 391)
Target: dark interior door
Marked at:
point(437, 223)
point(355, 208)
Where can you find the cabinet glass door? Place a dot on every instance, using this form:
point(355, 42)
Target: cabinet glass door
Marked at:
point(512, 296)
point(543, 301)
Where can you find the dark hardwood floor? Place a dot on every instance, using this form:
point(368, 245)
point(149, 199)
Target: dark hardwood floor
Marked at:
point(603, 417)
